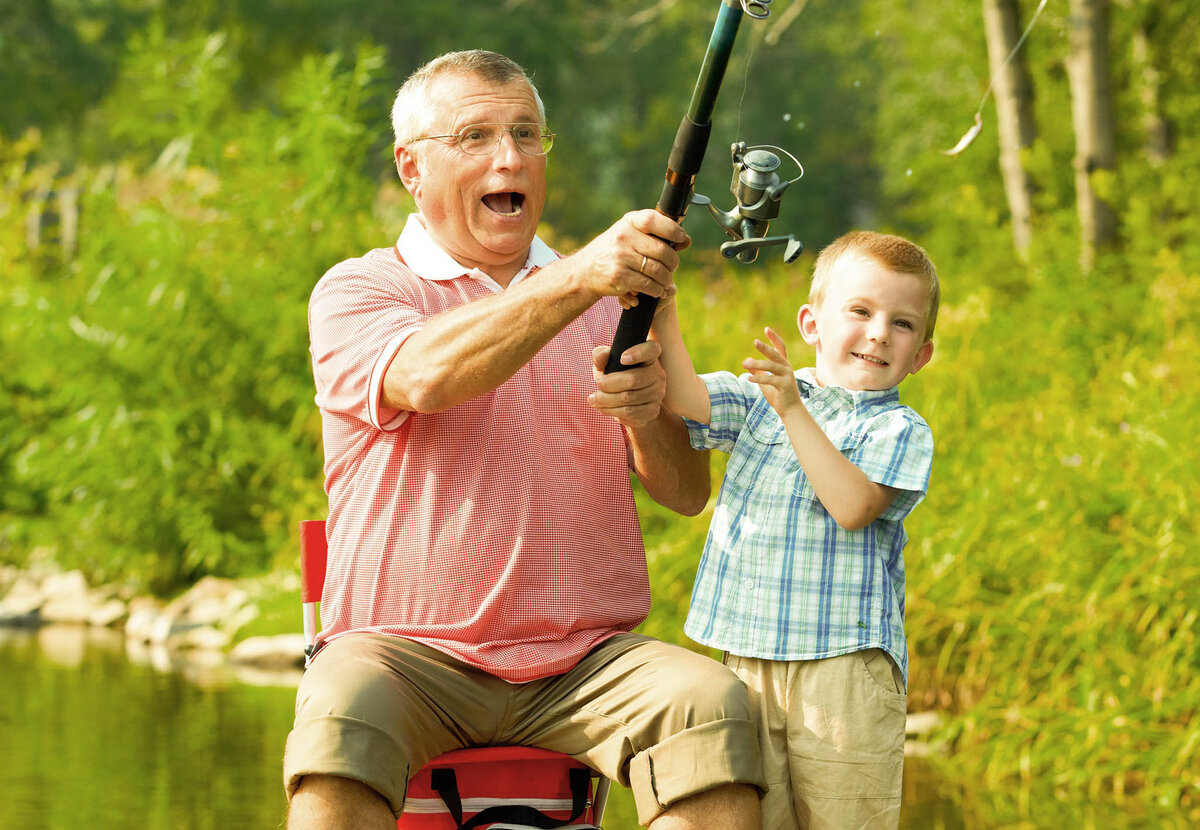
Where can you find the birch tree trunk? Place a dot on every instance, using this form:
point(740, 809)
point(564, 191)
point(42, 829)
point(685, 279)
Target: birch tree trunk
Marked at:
point(1092, 116)
point(1157, 130)
point(1017, 130)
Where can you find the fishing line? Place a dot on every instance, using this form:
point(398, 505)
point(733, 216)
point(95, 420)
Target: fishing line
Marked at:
point(973, 133)
point(745, 85)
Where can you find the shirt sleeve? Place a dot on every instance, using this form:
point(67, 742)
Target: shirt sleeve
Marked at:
point(898, 452)
point(730, 398)
point(357, 323)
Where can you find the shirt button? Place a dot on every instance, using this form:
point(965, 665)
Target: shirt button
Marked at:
point(748, 584)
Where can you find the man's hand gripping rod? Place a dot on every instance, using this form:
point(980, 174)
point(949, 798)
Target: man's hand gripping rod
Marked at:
point(754, 177)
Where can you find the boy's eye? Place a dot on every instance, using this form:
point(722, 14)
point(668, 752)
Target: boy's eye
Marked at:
point(861, 312)
point(905, 323)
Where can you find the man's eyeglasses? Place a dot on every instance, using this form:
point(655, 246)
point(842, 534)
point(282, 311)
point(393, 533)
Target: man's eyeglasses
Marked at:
point(483, 139)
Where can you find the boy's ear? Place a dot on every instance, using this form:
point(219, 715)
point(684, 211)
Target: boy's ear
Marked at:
point(923, 356)
point(807, 321)
point(409, 170)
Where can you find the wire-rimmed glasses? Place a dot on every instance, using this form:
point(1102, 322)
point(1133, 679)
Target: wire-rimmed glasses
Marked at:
point(483, 139)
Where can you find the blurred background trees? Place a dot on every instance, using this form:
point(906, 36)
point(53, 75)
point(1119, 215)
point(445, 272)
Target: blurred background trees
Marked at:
point(174, 178)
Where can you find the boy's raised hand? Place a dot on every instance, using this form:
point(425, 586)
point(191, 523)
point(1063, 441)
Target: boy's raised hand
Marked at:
point(774, 373)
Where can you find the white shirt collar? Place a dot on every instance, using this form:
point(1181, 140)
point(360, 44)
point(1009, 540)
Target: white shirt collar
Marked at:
point(425, 258)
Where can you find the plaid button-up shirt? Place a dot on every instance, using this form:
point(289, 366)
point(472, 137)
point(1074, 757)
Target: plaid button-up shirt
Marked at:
point(779, 578)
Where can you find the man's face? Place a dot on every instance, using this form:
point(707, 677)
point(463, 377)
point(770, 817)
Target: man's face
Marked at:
point(482, 210)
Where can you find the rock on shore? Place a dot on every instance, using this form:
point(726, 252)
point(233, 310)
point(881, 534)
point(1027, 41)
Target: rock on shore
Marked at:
point(205, 618)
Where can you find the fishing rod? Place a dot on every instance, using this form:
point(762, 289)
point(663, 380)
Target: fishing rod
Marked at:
point(756, 184)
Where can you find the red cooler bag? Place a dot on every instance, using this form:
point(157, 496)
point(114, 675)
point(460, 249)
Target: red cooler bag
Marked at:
point(499, 787)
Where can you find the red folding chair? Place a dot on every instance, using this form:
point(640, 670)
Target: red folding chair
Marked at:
point(476, 787)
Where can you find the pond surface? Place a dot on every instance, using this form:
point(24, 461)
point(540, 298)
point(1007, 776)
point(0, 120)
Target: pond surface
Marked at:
point(95, 735)
point(93, 739)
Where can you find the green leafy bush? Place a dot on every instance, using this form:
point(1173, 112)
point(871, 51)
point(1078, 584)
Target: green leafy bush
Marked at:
point(164, 426)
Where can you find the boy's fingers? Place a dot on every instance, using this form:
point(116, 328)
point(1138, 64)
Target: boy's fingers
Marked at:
point(766, 367)
point(771, 354)
point(777, 341)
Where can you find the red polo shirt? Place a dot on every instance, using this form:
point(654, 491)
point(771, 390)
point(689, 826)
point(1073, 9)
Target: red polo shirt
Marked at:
point(502, 531)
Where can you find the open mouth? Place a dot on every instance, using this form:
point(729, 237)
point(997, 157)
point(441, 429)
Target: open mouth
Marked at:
point(506, 203)
point(873, 360)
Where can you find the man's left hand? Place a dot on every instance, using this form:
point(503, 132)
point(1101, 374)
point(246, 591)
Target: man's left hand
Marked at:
point(634, 397)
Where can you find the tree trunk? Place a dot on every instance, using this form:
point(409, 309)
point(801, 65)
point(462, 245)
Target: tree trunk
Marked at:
point(1014, 114)
point(1092, 115)
point(1157, 130)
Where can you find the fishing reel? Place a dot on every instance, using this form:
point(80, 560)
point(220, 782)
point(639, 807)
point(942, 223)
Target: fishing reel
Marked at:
point(758, 190)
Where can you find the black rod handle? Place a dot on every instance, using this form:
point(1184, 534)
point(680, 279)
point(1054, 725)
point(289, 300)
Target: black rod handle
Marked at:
point(633, 328)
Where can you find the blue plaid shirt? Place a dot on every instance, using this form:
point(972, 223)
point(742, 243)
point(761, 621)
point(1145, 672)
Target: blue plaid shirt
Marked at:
point(779, 578)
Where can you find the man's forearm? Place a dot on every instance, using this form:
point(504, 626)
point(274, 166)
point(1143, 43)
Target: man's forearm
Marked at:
point(471, 350)
point(673, 474)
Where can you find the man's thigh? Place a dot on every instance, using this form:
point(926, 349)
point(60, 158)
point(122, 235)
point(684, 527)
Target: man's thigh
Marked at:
point(658, 718)
point(375, 708)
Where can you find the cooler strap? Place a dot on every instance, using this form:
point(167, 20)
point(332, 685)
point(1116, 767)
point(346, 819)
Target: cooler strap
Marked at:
point(444, 782)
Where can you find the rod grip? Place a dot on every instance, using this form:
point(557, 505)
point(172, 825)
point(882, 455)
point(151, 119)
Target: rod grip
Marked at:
point(633, 328)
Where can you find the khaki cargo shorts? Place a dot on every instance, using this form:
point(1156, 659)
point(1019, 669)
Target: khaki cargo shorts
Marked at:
point(662, 720)
point(832, 737)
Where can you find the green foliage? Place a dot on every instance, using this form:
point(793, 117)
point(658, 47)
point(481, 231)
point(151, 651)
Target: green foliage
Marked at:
point(172, 433)
point(171, 187)
point(1052, 585)
point(1051, 577)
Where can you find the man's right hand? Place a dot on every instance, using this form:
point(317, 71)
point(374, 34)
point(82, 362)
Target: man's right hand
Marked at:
point(637, 255)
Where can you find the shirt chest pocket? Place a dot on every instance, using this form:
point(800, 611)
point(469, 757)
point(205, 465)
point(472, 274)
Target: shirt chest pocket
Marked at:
point(769, 438)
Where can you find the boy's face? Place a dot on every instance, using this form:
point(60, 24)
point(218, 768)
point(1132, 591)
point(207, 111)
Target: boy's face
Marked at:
point(869, 330)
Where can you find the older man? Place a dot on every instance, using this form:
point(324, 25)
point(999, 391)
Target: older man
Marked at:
point(486, 565)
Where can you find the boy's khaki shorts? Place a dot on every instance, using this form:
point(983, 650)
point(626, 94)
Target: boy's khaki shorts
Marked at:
point(832, 732)
point(664, 721)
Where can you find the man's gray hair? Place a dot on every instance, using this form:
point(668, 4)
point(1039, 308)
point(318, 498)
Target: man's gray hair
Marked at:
point(412, 113)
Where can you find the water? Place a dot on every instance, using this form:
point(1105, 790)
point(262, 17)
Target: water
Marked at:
point(93, 735)
point(93, 739)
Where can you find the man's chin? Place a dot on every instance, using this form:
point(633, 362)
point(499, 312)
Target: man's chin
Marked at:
point(507, 244)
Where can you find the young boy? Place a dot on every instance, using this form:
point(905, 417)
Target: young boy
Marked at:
point(802, 578)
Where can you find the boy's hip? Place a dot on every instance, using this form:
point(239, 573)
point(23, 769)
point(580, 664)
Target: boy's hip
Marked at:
point(832, 729)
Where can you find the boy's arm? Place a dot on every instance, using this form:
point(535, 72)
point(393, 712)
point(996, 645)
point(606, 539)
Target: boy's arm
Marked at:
point(686, 393)
point(851, 498)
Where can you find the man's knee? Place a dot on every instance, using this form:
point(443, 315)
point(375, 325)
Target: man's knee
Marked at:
point(344, 729)
point(705, 691)
point(330, 801)
point(708, 743)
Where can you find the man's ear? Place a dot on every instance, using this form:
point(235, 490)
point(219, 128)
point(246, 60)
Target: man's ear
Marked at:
point(409, 170)
point(923, 356)
point(806, 319)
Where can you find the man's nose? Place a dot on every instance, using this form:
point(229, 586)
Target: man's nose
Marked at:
point(507, 154)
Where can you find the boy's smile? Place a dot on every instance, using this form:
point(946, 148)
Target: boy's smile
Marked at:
point(869, 330)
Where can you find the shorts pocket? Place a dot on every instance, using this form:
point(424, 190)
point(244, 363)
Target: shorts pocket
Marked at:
point(883, 671)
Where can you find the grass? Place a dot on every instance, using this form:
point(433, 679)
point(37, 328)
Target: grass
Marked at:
point(1052, 576)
